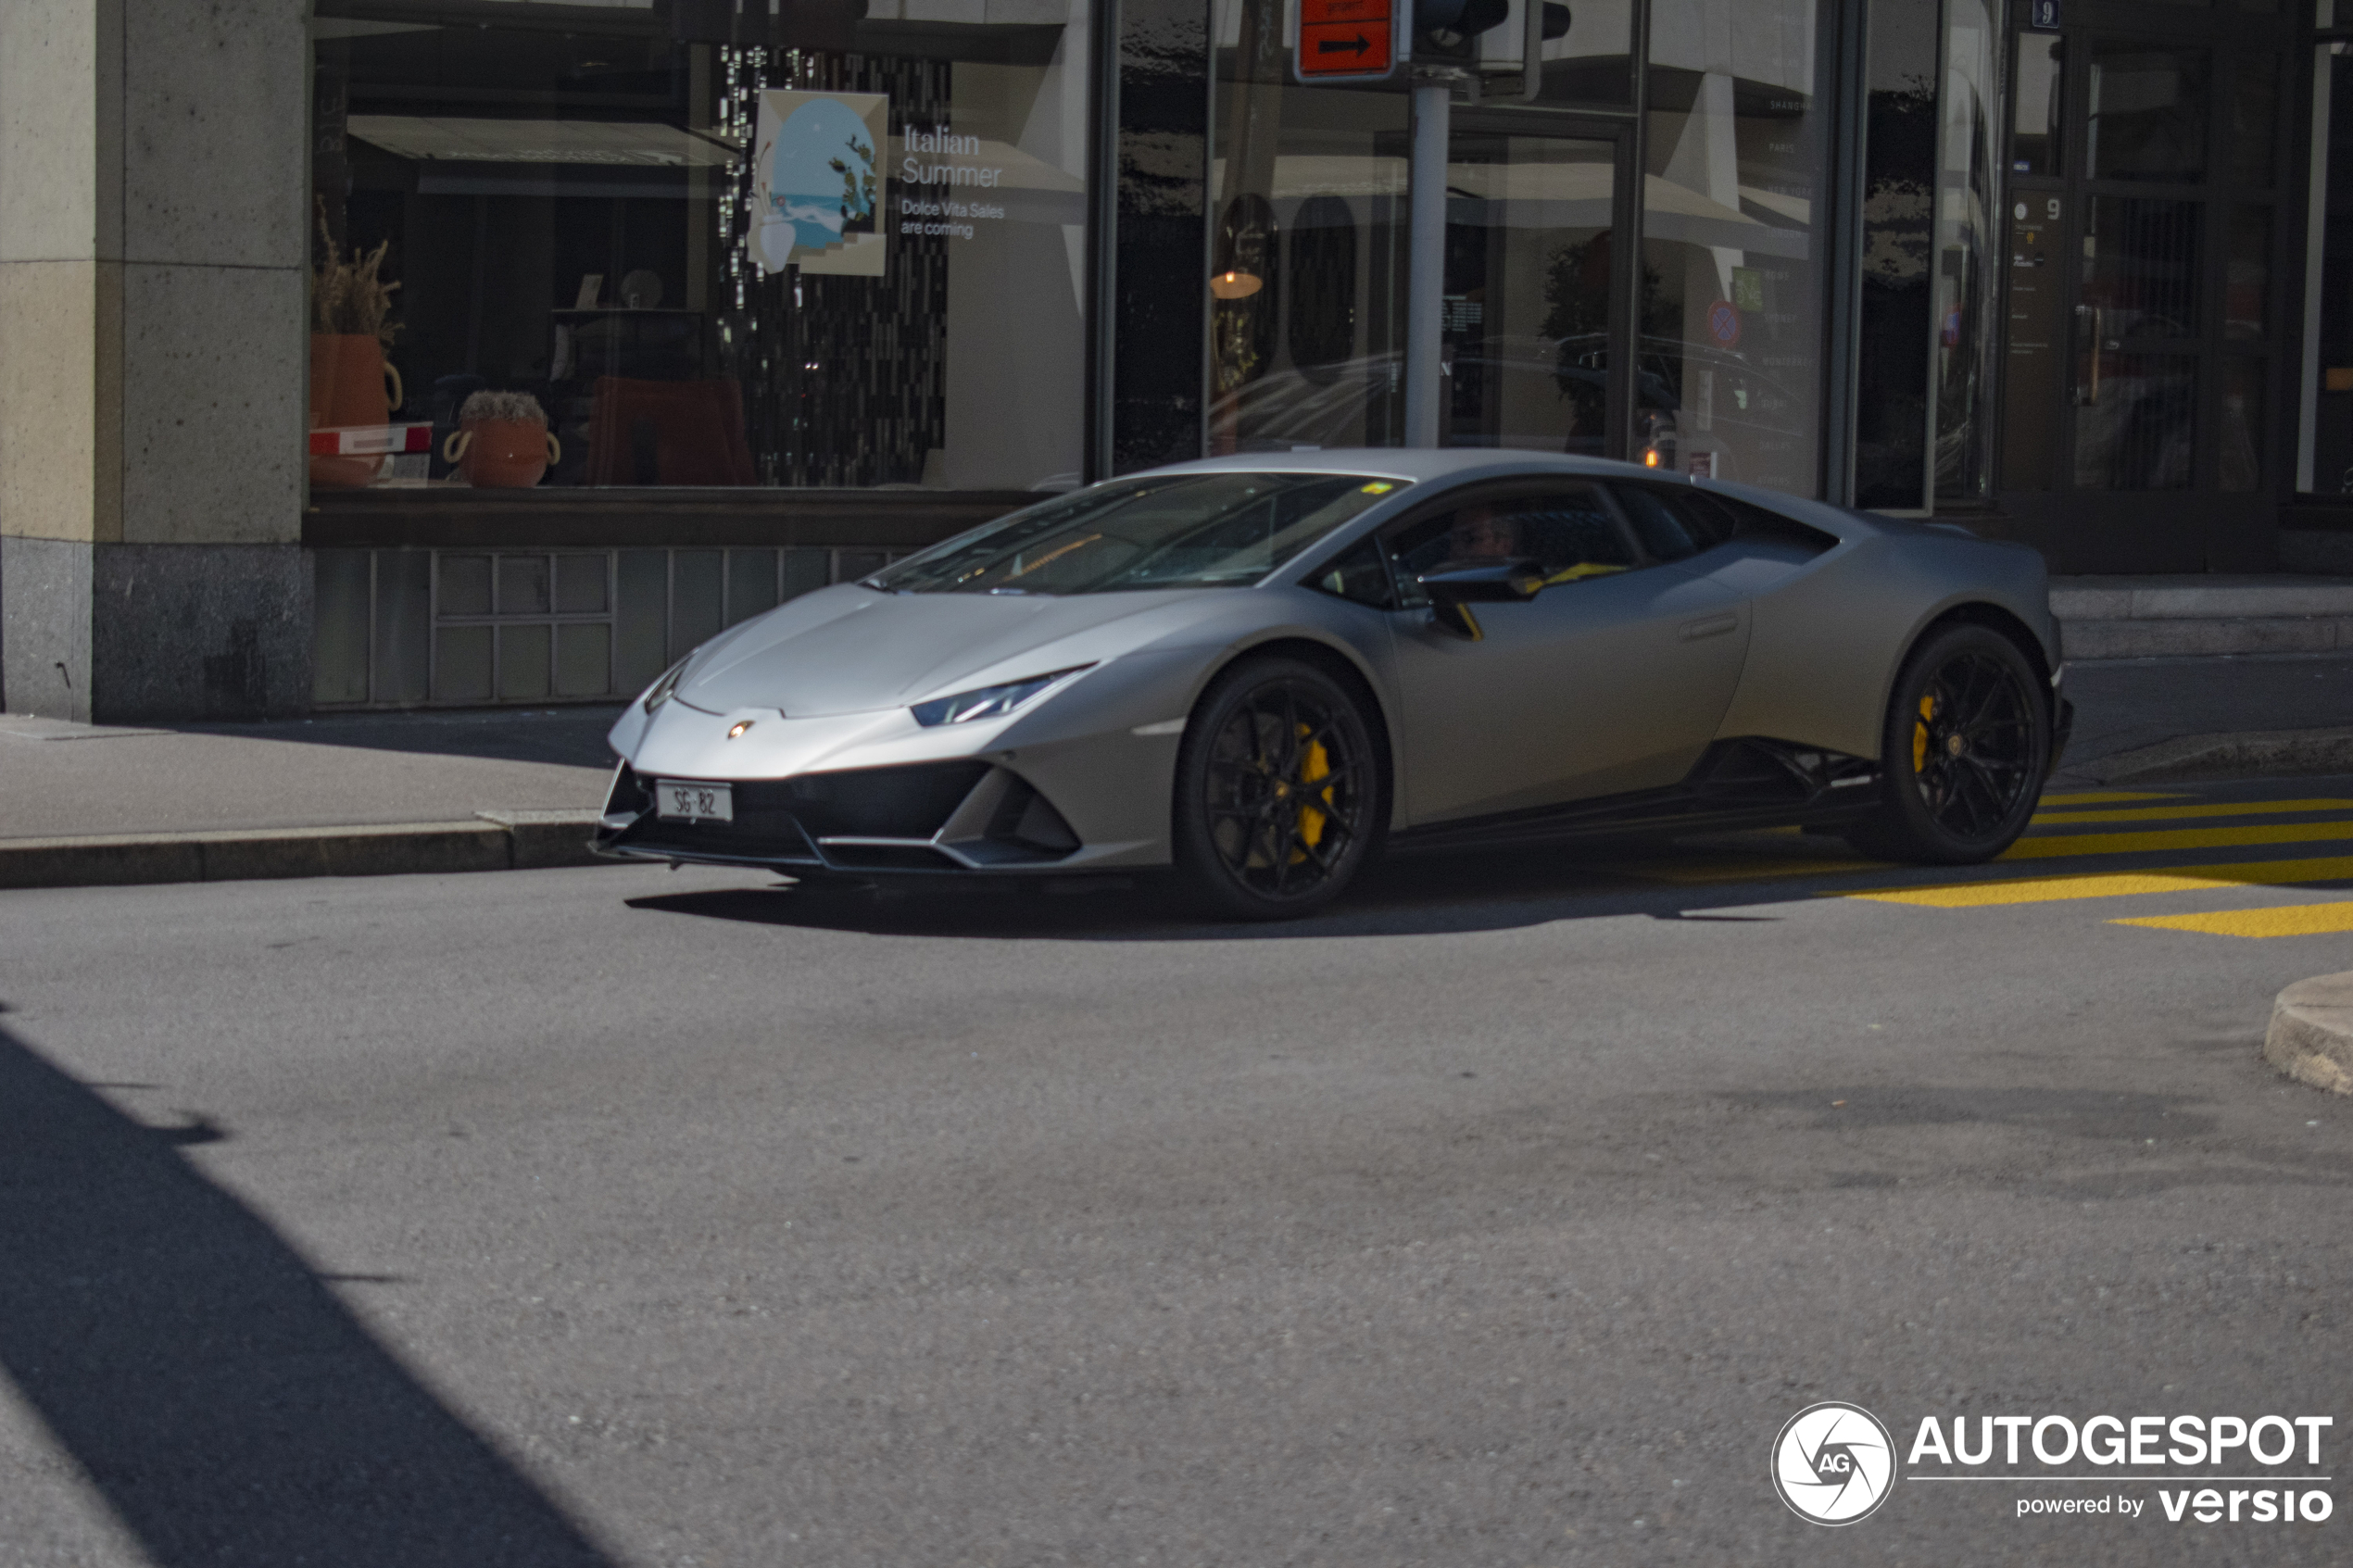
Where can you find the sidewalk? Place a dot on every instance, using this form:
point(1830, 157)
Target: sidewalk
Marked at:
point(2149, 719)
point(362, 794)
point(347, 795)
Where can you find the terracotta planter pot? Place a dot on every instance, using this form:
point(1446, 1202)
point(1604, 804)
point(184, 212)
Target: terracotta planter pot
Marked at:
point(350, 385)
point(502, 454)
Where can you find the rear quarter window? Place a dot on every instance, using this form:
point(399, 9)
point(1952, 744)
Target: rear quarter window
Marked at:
point(1711, 520)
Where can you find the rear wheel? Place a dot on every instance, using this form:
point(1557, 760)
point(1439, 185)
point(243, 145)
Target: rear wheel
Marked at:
point(1967, 742)
point(1278, 793)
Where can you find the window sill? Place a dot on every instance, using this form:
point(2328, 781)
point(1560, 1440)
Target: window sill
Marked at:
point(563, 518)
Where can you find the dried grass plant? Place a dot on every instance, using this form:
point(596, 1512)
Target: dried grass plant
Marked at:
point(520, 407)
point(347, 296)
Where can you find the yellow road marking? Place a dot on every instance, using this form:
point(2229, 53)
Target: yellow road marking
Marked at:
point(2170, 813)
point(2103, 799)
point(2287, 920)
point(2057, 845)
point(2119, 884)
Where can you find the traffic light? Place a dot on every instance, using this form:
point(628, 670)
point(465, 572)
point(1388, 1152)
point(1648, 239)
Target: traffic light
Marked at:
point(1443, 29)
point(1489, 36)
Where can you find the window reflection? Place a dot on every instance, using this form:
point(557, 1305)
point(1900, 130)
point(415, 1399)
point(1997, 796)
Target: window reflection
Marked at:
point(2242, 442)
point(1307, 192)
point(2148, 111)
point(2254, 114)
point(2140, 268)
point(2247, 272)
point(1899, 216)
point(2036, 139)
point(1736, 151)
point(2134, 418)
point(698, 246)
point(1968, 194)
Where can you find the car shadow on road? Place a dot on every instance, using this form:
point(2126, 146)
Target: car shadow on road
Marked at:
point(212, 1389)
point(1410, 895)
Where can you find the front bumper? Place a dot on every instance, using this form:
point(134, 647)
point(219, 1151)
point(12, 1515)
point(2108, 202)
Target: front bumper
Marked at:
point(961, 816)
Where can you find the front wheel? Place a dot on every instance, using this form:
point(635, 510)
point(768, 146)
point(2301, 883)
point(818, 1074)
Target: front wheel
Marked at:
point(1278, 793)
point(1967, 742)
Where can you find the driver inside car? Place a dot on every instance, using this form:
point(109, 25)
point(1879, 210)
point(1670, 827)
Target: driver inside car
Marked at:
point(1483, 532)
point(1569, 539)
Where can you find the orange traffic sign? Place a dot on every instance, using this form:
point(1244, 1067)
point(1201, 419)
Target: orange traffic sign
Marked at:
point(1345, 48)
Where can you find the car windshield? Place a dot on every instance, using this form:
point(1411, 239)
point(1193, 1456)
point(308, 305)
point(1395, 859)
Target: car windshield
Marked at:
point(1171, 531)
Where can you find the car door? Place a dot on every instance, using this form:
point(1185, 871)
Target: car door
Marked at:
point(1612, 678)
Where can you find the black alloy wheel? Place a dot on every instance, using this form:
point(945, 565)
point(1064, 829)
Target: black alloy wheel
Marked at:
point(1278, 793)
point(1966, 744)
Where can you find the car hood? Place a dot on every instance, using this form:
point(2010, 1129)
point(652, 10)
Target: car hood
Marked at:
point(848, 649)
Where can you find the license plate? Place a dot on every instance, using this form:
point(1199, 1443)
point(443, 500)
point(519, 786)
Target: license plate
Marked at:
point(679, 801)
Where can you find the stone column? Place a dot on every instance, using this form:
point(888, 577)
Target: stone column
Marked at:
point(153, 350)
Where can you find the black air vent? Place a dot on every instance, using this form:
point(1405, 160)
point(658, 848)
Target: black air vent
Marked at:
point(880, 802)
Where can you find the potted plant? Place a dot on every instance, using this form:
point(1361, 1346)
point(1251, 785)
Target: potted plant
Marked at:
point(351, 383)
point(502, 441)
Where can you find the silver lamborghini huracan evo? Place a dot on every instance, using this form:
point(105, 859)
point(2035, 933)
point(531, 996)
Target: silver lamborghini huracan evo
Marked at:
point(1257, 671)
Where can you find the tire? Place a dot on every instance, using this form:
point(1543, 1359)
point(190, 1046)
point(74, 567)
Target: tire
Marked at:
point(1963, 752)
point(1279, 796)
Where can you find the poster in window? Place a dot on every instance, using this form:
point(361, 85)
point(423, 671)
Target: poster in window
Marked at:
point(818, 183)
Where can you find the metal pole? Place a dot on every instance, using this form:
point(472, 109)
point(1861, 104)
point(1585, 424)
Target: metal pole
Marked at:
point(1426, 263)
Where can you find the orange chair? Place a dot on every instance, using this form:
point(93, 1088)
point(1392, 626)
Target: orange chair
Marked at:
point(667, 432)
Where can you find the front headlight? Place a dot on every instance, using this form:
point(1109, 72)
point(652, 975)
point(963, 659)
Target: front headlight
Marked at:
point(989, 702)
point(659, 692)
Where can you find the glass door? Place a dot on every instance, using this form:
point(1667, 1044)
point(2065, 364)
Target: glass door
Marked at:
point(1533, 338)
point(2142, 321)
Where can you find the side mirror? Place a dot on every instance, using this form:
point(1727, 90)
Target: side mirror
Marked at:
point(1451, 593)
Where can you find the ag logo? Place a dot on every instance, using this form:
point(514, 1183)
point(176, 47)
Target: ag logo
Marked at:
point(1834, 1464)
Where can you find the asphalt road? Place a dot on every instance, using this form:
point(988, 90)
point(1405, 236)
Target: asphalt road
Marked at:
point(1502, 1217)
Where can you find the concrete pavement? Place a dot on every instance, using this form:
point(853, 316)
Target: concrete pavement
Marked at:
point(1500, 1217)
point(343, 795)
point(2177, 616)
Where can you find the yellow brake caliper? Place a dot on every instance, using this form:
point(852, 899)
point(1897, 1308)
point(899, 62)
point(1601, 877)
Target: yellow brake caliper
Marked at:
point(1919, 734)
point(1319, 765)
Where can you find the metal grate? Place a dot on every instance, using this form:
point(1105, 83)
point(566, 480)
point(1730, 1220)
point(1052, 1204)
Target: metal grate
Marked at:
point(402, 628)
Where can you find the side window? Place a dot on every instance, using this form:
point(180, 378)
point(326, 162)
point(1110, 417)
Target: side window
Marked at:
point(1668, 531)
point(1569, 534)
point(1360, 575)
point(1747, 522)
point(1675, 523)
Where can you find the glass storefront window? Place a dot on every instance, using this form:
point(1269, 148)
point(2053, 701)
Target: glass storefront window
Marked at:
point(679, 246)
point(2147, 112)
point(1308, 231)
point(1306, 217)
point(2326, 460)
point(2035, 102)
point(1932, 209)
point(1735, 236)
point(1899, 223)
point(1969, 192)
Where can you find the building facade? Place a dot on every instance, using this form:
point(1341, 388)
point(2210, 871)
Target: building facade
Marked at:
point(388, 353)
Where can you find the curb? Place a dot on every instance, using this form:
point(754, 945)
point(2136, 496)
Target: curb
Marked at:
point(2245, 753)
point(494, 841)
point(2311, 1038)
